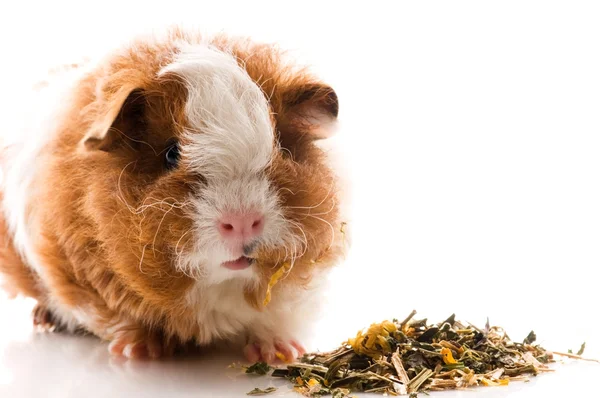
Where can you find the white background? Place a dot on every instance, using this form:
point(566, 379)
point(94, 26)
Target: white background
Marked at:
point(471, 137)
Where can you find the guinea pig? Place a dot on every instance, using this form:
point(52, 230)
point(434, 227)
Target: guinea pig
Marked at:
point(175, 192)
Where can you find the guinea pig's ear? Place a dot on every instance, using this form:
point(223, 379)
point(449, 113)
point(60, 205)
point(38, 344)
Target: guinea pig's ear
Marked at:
point(314, 107)
point(117, 117)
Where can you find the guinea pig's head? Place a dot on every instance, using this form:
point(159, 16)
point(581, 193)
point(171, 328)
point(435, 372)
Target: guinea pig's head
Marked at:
point(211, 164)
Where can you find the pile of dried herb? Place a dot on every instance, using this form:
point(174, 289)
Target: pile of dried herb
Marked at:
point(410, 356)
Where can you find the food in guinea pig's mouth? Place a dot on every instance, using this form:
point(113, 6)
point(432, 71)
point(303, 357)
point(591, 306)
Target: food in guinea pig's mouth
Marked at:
point(174, 192)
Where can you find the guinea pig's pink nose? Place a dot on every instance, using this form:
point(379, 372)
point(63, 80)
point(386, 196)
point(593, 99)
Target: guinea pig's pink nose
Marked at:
point(241, 226)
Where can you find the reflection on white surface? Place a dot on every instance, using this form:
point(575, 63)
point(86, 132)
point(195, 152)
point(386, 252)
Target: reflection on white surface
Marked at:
point(60, 365)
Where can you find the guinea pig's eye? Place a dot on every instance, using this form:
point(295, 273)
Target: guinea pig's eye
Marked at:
point(172, 156)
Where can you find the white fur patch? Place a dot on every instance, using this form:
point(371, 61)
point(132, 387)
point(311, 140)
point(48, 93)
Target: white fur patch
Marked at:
point(72, 317)
point(230, 126)
point(223, 313)
point(221, 310)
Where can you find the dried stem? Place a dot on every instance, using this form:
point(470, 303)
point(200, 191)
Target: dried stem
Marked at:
point(575, 356)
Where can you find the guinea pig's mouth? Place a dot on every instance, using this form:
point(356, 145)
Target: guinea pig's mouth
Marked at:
point(240, 263)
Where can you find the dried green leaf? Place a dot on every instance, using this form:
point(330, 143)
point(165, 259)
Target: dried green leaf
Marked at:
point(581, 350)
point(340, 393)
point(450, 320)
point(427, 336)
point(531, 337)
point(521, 370)
point(415, 360)
point(258, 391)
point(259, 368)
point(419, 323)
point(281, 373)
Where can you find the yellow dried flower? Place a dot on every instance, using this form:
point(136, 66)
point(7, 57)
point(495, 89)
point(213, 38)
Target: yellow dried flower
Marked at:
point(312, 382)
point(274, 279)
point(281, 356)
point(447, 356)
point(374, 342)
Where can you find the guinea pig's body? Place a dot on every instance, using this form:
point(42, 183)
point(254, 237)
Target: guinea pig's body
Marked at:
point(153, 195)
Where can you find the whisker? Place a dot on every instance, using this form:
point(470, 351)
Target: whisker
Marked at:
point(289, 190)
point(329, 192)
point(305, 239)
point(330, 226)
point(142, 259)
point(158, 229)
point(325, 212)
point(134, 140)
point(179, 241)
point(120, 195)
point(156, 204)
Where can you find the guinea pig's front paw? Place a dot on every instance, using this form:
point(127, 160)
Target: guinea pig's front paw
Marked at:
point(139, 344)
point(272, 350)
